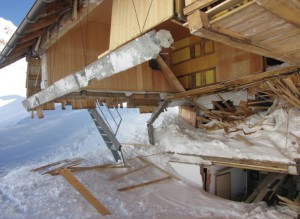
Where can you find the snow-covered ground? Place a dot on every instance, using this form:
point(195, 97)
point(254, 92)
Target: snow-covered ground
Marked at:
point(28, 143)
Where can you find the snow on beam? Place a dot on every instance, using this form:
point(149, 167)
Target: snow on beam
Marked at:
point(136, 52)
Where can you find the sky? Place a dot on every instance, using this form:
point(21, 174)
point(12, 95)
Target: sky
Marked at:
point(15, 10)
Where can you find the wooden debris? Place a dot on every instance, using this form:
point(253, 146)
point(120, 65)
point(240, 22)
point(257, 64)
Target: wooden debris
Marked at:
point(267, 187)
point(67, 174)
point(129, 172)
point(245, 140)
point(144, 184)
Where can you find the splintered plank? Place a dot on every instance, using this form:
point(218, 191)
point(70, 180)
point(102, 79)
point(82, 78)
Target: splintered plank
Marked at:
point(129, 172)
point(67, 174)
point(144, 184)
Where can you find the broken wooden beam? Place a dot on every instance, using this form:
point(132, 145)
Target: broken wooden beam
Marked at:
point(67, 174)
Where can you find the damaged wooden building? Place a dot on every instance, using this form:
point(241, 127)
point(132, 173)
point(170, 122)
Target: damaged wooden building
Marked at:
point(152, 54)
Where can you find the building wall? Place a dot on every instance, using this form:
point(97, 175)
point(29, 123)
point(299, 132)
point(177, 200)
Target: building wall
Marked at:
point(130, 18)
point(198, 62)
point(86, 41)
point(237, 180)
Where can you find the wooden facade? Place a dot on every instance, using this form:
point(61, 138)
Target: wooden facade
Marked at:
point(215, 42)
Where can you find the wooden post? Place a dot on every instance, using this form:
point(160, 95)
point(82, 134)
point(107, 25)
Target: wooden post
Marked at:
point(169, 75)
point(75, 12)
point(84, 191)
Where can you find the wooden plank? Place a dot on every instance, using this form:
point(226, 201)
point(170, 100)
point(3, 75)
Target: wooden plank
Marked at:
point(67, 174)
point(169, 75)
point(199, 25)
point(68, 163)
point(144, 184)
point(157, 167)
point(288, 81)
point(197, 64)
point(75, 11)
point(268, 166)
point(283, 8)
point(129, 172)
point(188, 114)
point(222, 6)
point(216, 104)
point(233, 84)
point(49, 165)
point(189, 9)
point(287, 200)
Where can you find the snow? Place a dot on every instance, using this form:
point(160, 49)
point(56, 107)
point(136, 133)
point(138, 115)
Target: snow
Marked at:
point(30, 143)
point(269, 138)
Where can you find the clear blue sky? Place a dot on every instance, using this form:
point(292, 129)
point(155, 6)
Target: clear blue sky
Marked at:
point(15, 10)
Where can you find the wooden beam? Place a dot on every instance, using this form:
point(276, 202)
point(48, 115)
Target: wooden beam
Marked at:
point(222, 6)
point(169, 75)
point(269, 166)
point(197, 5)
point(199, 25)
point(236, 83)
point(157, 167)
point(75, 11)
point(37, 45)
point(67, 174)
point(144, 184)
point(285, 9)
point(41, 24)
point(31, 36)
point(129, 172)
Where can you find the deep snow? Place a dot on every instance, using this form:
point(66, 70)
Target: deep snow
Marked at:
point(29, 143)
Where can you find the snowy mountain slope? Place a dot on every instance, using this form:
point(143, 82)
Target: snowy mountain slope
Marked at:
point(12, 78)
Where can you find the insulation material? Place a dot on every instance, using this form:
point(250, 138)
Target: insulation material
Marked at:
point(134, 53)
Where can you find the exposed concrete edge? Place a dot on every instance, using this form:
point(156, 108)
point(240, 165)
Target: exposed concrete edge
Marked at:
point(136, 52)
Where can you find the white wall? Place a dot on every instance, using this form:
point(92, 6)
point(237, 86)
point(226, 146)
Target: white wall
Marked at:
point(238, 180)
point(189, 173)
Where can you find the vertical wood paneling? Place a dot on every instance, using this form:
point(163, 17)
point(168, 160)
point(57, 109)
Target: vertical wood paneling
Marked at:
point(131, 17)
point(234, 63)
